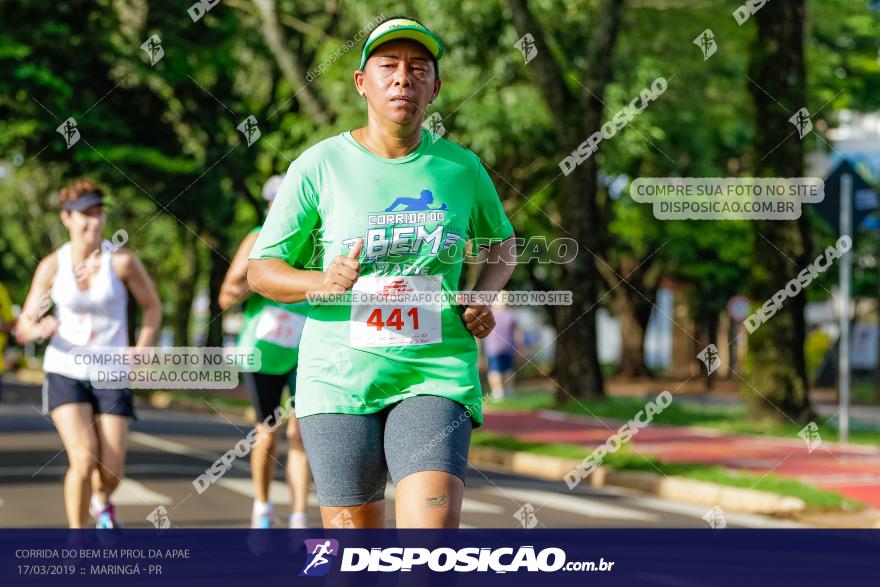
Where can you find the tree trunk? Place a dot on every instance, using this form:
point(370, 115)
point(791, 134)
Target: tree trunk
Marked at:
point(576, 362)
point(289, 63)
point(186, 288)
point(633, 311)
point(710, 328)
point(575, 117)
point(776, 369)
point(216, 272)
point(632, 303)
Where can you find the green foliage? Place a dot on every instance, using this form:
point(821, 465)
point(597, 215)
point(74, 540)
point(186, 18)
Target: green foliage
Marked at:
point(163, 138)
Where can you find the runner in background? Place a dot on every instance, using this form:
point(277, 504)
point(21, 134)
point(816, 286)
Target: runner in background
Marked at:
point(88, 280)
point(500, 347)
point(6, 322)
point(275, 330)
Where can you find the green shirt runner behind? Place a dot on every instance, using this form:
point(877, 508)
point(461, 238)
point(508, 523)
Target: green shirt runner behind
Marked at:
point(415, 214)
point(273, 328)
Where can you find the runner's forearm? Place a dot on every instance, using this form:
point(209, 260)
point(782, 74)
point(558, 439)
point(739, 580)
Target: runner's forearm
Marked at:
point(152, 318)
point(276, 280)
point(496, 266)
point(234, 292)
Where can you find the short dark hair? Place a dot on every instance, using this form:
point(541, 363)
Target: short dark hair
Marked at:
point(403, 16)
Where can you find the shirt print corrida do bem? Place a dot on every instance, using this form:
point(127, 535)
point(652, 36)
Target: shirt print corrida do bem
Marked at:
point(415, 214)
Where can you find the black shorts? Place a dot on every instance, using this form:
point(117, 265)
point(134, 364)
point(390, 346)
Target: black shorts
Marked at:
point(59, 390)
point(266, 390)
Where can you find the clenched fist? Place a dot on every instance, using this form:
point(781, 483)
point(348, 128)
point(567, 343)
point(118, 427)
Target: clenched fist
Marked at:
point(343, 270)
point(478, 319)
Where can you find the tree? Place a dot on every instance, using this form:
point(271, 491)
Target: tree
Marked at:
point(577, 114)
point(776, 377)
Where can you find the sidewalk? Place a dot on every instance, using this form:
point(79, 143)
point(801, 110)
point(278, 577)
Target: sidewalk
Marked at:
point(851, 470)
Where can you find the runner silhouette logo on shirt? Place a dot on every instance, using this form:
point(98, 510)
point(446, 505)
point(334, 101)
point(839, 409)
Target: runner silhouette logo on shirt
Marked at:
point(423, 202)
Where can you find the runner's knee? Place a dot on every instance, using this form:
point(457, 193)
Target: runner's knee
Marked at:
point(265, 439)
point(294, 438)
point(82, 463)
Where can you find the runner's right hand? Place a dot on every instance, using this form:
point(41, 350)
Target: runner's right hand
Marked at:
point(343, 270)
point(45, 328)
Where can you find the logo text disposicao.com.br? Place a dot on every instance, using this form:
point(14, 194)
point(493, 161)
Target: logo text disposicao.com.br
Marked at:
point(468, 559)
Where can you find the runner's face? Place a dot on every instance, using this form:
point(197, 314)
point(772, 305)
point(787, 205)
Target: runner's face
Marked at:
point(399, 82)
point(85, 226)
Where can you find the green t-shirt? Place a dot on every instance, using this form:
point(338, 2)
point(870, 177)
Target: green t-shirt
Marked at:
point(415, 214)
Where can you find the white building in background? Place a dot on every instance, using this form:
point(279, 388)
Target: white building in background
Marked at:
point(658, 337)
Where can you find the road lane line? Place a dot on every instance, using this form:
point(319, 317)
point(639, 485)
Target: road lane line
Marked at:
point(279, 493)
point(578, 504)
point(131, 492)
point(130, 470)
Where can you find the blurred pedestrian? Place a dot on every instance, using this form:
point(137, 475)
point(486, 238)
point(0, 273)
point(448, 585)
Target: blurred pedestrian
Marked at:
point(500, 347)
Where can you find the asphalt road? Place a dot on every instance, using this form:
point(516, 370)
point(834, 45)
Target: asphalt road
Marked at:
point(168, 449)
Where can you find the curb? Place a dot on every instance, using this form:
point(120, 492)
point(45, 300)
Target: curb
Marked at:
point(749, 501)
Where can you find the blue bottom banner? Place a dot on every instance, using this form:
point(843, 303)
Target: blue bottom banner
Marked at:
point(687, 558)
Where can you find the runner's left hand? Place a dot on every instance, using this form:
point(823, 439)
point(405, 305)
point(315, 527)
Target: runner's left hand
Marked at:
point(478, 319)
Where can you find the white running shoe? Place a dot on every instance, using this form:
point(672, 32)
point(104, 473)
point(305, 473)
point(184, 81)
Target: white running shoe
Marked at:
point(299, 520)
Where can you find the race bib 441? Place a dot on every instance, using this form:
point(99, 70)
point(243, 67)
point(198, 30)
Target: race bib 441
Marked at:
point(391, 310)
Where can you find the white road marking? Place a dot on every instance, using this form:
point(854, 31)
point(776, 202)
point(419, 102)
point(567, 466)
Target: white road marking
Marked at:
point(475, 506)
point(182, 449)
point(697, 511)
point(576, 504)
point(279, 493)
point(60, 470)
point(131, 492)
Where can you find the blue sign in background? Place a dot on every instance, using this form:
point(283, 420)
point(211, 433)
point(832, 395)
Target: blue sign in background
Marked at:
point(707, 557)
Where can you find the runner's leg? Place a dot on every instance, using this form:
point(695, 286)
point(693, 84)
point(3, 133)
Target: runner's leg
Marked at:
point(75, 425)
point(112, 431)
point(508, 381)
point(263, 461)
point(265, 391)
point(426, 447)
point(366, 515)
point(429, 499)
point(496, 384)
point(346, 457)
point(298, 473)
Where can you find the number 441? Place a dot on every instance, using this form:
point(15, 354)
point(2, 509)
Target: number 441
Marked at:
point(395, 319)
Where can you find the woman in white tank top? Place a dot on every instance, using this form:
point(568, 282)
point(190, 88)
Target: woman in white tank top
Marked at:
point(88, 280)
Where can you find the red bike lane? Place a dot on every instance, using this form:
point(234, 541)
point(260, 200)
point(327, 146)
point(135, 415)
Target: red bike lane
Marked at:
point(851, 470)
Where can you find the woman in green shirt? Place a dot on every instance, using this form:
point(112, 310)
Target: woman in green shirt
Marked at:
point(275, 330)
point(388, 384)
